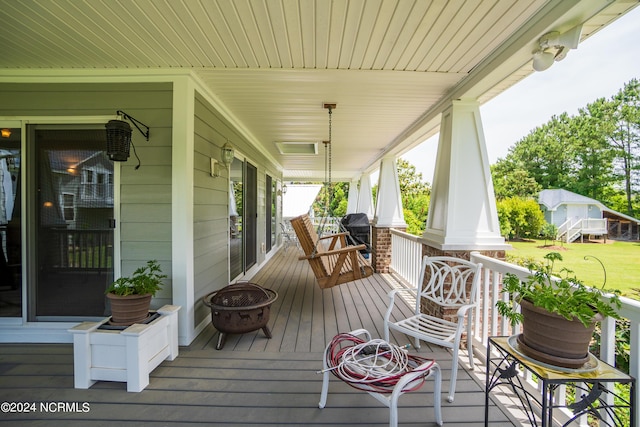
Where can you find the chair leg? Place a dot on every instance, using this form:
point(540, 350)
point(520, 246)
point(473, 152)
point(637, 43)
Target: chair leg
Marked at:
point(470, 347)
point(437, 381)
point(325, 389)
point(454, 374)
point(393, 412)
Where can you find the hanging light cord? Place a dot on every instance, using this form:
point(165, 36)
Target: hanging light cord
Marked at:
point(136, 154)
point(328, 164)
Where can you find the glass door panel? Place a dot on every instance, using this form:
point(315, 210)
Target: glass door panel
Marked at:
point(251, 216)
point(72, 205)
point(236, 262)
point(10, 223)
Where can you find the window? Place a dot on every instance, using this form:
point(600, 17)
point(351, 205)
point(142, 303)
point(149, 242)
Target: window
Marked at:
point(68, 206)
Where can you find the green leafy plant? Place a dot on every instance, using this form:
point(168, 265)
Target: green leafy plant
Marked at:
point(564, 295)
point(145, 280)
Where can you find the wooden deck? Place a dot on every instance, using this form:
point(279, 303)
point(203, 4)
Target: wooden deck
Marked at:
point(252, 381)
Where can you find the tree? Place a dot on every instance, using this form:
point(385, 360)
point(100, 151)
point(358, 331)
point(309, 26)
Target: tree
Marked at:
point(520, 218)
point(545, 153)
point(332, 201)
point(415, 194)
point(624, 113)
point(510, 181)
point(592, 169)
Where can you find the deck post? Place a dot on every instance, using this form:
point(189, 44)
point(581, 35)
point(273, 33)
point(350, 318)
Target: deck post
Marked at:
point(389, 214)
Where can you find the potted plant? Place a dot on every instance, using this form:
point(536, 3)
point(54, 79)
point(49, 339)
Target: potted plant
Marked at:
point(130, 297)
point(558, 313)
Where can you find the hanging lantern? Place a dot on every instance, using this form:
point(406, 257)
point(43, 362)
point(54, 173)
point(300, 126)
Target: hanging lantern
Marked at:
point(118, 140)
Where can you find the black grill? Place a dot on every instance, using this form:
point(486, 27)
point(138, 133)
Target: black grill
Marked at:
point(357, 224)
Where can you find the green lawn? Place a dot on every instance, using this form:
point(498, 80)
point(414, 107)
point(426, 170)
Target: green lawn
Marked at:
point(621, 260)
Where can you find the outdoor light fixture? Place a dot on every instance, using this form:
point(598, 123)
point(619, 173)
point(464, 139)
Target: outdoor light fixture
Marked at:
point(554, 47)
point(119, 137)
point(228, 154)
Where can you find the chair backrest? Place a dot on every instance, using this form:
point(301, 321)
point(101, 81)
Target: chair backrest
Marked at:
point(449, 282)
point(308, 239)
point(307, 235)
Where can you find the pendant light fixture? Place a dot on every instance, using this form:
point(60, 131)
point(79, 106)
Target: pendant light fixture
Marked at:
point(119, 137)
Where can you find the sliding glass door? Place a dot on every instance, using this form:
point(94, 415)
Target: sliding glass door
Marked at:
point(10, 222)
point(70, 222)
point(243, 217)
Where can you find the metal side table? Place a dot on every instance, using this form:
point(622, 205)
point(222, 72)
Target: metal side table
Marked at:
point(594, 386)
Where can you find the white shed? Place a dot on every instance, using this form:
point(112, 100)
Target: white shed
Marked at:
point(577, 216)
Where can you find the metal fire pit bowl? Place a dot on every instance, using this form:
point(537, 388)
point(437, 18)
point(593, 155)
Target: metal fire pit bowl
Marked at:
point(240, 308)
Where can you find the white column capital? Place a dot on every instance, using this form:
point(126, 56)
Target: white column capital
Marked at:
point(352, 200)
point(365, 197)
point(389, 211)
point(462, 211)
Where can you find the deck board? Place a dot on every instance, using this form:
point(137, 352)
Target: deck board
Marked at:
point(252, 381)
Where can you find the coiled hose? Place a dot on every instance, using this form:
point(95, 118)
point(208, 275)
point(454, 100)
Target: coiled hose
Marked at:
point(374, 365)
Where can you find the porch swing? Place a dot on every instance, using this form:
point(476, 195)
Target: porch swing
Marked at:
point(332, 260)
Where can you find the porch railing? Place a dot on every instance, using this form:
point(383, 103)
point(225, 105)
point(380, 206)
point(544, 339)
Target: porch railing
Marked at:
point(570, 231)
point(405, 261)
point(82, 249)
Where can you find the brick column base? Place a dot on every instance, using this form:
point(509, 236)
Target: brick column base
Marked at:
point(381, 244)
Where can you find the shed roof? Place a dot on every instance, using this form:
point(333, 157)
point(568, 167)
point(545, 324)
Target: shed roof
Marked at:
point(553, 198)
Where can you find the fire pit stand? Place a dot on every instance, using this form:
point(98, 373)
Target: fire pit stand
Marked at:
point(240, 308)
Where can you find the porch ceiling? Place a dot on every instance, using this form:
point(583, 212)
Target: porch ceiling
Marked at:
point(390, 65)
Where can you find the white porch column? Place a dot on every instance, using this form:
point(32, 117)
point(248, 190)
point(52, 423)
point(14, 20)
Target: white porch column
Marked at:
point(182, 147)
point(365, 199)
point(389, 206)
point(352, 201)
point(388, 215)
point(462, 212)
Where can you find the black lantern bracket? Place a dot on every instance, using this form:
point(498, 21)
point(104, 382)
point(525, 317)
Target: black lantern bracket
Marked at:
point(135, 123)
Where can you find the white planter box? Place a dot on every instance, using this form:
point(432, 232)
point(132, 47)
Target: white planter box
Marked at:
point(127, 355)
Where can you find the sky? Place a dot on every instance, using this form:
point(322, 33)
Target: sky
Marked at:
point(598, 68)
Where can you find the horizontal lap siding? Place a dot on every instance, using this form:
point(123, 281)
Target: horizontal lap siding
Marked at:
point(211, 207)
point(211, 201)
point(145, 193)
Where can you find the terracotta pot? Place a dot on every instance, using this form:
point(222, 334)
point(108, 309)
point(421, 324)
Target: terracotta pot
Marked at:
point(130, 309)
point(552, 339)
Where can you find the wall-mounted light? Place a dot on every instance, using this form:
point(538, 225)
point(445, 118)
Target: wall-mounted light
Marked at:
point(215, 168)
point(284, 189)
point(228, 154)
point(553, 47)
point(119, 137)
point(6, 133)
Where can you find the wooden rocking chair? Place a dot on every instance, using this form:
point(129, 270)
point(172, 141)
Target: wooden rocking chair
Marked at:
point(332, 261)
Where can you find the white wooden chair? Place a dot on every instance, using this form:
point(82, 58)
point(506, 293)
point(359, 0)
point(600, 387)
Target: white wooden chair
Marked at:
point(451, 283)
point(390, 400)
